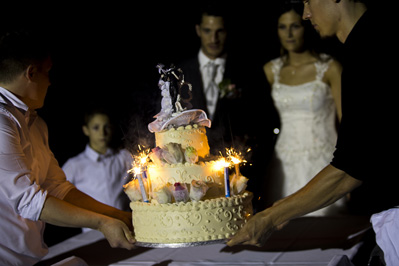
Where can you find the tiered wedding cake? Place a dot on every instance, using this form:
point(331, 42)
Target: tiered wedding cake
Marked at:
point(184, 200)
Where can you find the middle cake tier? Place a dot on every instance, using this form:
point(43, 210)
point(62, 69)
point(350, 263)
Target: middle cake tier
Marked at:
point(186, 173)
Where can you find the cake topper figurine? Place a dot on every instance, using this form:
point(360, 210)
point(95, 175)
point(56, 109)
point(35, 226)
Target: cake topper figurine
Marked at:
point(171, 84)
point(173, 113)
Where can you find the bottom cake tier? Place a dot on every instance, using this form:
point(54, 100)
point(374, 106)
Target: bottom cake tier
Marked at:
point(190, 222)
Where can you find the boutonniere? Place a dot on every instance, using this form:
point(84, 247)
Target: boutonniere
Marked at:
point(228, 90)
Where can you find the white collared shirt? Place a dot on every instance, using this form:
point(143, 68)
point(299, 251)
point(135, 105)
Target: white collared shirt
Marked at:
point(203, 62)
point(28, 173)
point(101, 176)
point(386, 228)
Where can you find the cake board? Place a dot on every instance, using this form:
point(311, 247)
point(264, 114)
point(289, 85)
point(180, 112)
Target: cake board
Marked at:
point(179, 245)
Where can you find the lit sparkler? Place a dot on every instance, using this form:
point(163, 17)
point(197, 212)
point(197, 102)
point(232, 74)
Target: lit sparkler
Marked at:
point(235, 158)
point(222, 163)
point(139, 169)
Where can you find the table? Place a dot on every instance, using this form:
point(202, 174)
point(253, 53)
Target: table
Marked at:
point(312, 241)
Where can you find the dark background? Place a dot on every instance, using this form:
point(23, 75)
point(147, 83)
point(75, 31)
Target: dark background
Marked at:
point(108, 52)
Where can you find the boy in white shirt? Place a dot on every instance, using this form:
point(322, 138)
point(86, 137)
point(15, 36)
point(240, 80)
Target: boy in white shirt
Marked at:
point(100, 170)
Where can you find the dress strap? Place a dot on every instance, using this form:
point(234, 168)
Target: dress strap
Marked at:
point(277, 64)
point(322, 66)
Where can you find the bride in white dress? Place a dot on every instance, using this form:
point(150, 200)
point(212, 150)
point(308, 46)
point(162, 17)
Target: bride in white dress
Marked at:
point(307, 95)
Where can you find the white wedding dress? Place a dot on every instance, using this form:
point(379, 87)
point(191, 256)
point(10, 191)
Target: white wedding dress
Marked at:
point(307, 136)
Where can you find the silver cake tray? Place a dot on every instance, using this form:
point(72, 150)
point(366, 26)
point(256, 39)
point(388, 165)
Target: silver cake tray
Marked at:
point(179, 245)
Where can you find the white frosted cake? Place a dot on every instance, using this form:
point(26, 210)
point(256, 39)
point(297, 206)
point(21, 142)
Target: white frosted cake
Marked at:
point(185, 197)
point(190, 222)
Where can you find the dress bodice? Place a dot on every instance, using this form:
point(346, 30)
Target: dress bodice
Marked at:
point(308, 135)
point(307, 111)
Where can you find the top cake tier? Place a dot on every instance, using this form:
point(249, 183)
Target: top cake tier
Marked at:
point(190, 135)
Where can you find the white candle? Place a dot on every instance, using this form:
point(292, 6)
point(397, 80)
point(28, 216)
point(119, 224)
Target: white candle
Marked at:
point(149, 185)
point(142, 188)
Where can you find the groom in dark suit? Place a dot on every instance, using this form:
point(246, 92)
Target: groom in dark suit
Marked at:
point(232, 92)
point(215, 84)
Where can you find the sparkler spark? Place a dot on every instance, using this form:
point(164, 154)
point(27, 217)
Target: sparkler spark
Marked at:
point(139, 161)
point(138, 169)
point(234, 156)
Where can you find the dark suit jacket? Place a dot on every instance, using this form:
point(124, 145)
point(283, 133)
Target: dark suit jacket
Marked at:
point(231, 114)
point(243, 122)
point(235, 117)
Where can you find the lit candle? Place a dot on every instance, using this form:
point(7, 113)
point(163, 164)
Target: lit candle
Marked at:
point(144, 172)
point(140, 161)
point(137, 172)
point(143, 163)
point(237, 169)
point(223, 164)
point(142, 188)
point(226, 181)
point(235, 158)
point(145, 175)
point(236, 163)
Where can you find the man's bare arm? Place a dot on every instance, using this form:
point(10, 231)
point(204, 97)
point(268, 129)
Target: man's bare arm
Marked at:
point(325, 188)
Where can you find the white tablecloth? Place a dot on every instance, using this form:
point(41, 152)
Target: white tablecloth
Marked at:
point(304, 241)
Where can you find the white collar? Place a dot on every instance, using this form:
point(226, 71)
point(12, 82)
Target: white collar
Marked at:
point(95, 156)
point(13, 99)
point(203, 59)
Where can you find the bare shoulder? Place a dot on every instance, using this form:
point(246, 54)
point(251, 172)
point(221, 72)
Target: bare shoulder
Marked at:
point(267, 68)
point(334, 70)
point(334, 67)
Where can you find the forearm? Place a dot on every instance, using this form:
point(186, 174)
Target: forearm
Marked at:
point(82, 200)
point(325, 188)
point(62, 213)
point(78, 198)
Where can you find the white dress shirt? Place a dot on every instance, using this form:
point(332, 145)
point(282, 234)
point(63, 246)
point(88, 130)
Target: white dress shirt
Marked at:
point(101, 176)
point(386, 228)
point(206, 78)
point(28, 173)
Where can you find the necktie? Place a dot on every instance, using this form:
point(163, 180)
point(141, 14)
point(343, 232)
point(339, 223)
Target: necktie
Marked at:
point(211, 89)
